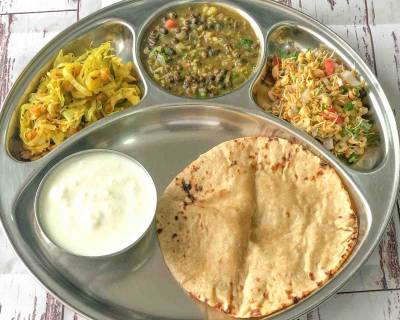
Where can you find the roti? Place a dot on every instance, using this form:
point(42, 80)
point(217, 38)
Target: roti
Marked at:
point(255, 225)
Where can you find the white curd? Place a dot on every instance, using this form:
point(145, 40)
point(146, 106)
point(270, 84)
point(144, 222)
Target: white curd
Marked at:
point(96, 203)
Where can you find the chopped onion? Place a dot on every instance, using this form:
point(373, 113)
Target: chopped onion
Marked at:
point(325, 81)
point(328, 143)
point(306, 95)
point(350, 78)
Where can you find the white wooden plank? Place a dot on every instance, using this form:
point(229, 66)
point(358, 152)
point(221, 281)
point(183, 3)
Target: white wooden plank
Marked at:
point(19, 6)
point(388, 62)
point(9, 263)
point(5, 60)
point(87, 7)
point(379, 305)
point(330, 11)
point(358, 38)
point(23, 35)
point(383, 12)
point(22, 298)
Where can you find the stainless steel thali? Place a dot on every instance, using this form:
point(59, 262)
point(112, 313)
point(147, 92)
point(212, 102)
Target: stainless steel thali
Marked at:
point(165, 132)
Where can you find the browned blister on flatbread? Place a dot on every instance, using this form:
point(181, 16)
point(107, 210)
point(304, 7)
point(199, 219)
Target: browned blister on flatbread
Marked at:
point(254, 225)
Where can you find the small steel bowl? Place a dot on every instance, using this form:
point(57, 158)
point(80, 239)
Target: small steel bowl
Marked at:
point(42, 230)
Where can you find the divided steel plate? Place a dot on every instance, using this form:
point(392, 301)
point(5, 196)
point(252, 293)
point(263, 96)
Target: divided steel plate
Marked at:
point(164, 133)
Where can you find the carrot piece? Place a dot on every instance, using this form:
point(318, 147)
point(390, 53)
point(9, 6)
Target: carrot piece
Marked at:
point(31, 135)
point(170, 24)
point(36, 111)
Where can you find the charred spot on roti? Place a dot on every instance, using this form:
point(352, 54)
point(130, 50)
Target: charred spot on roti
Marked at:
point(311, 275)
point(323, 163)
point(256, 313)
point(233, 163)
point(186, 186)
point(277, 166)
point(159, 230)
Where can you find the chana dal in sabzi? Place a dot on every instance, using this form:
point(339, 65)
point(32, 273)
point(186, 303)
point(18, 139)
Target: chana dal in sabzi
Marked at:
point(201, 51)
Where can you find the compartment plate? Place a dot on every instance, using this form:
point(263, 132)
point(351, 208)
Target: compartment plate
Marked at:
point(165, 138)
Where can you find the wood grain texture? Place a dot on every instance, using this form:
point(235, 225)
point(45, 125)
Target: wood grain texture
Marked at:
point(23, 6)
point(371, 27)
point(22, 36)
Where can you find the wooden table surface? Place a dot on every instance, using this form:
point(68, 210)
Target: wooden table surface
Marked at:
point(371, 27)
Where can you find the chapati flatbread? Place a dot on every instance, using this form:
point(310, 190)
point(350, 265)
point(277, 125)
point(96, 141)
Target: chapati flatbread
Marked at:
point(255, 225)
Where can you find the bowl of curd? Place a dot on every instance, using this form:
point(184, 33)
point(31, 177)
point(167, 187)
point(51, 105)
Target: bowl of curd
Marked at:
point(95, 203)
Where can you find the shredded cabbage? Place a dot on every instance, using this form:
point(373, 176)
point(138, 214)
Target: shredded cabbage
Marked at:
point(76, 92)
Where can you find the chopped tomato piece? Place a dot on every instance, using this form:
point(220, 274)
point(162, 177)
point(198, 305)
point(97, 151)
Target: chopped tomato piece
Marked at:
point(275, 60)
point(332, 114)
point(329, 66)
point(170, 24)
point(339, 120)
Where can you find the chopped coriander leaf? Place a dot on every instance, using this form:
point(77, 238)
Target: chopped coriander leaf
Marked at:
point(246, 43)
point(201, 95)
point(353, 158)
point(348, 106)
point(162, 58)
point(319, 89)
point(355, 131)
point(365, 125)
point(219, 26)
point(169, 51)
point(285, 54)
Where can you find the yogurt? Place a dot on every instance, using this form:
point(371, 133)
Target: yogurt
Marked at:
point(96, 203)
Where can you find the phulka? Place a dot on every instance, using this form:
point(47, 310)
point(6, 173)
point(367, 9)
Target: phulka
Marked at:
point(254, 225)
